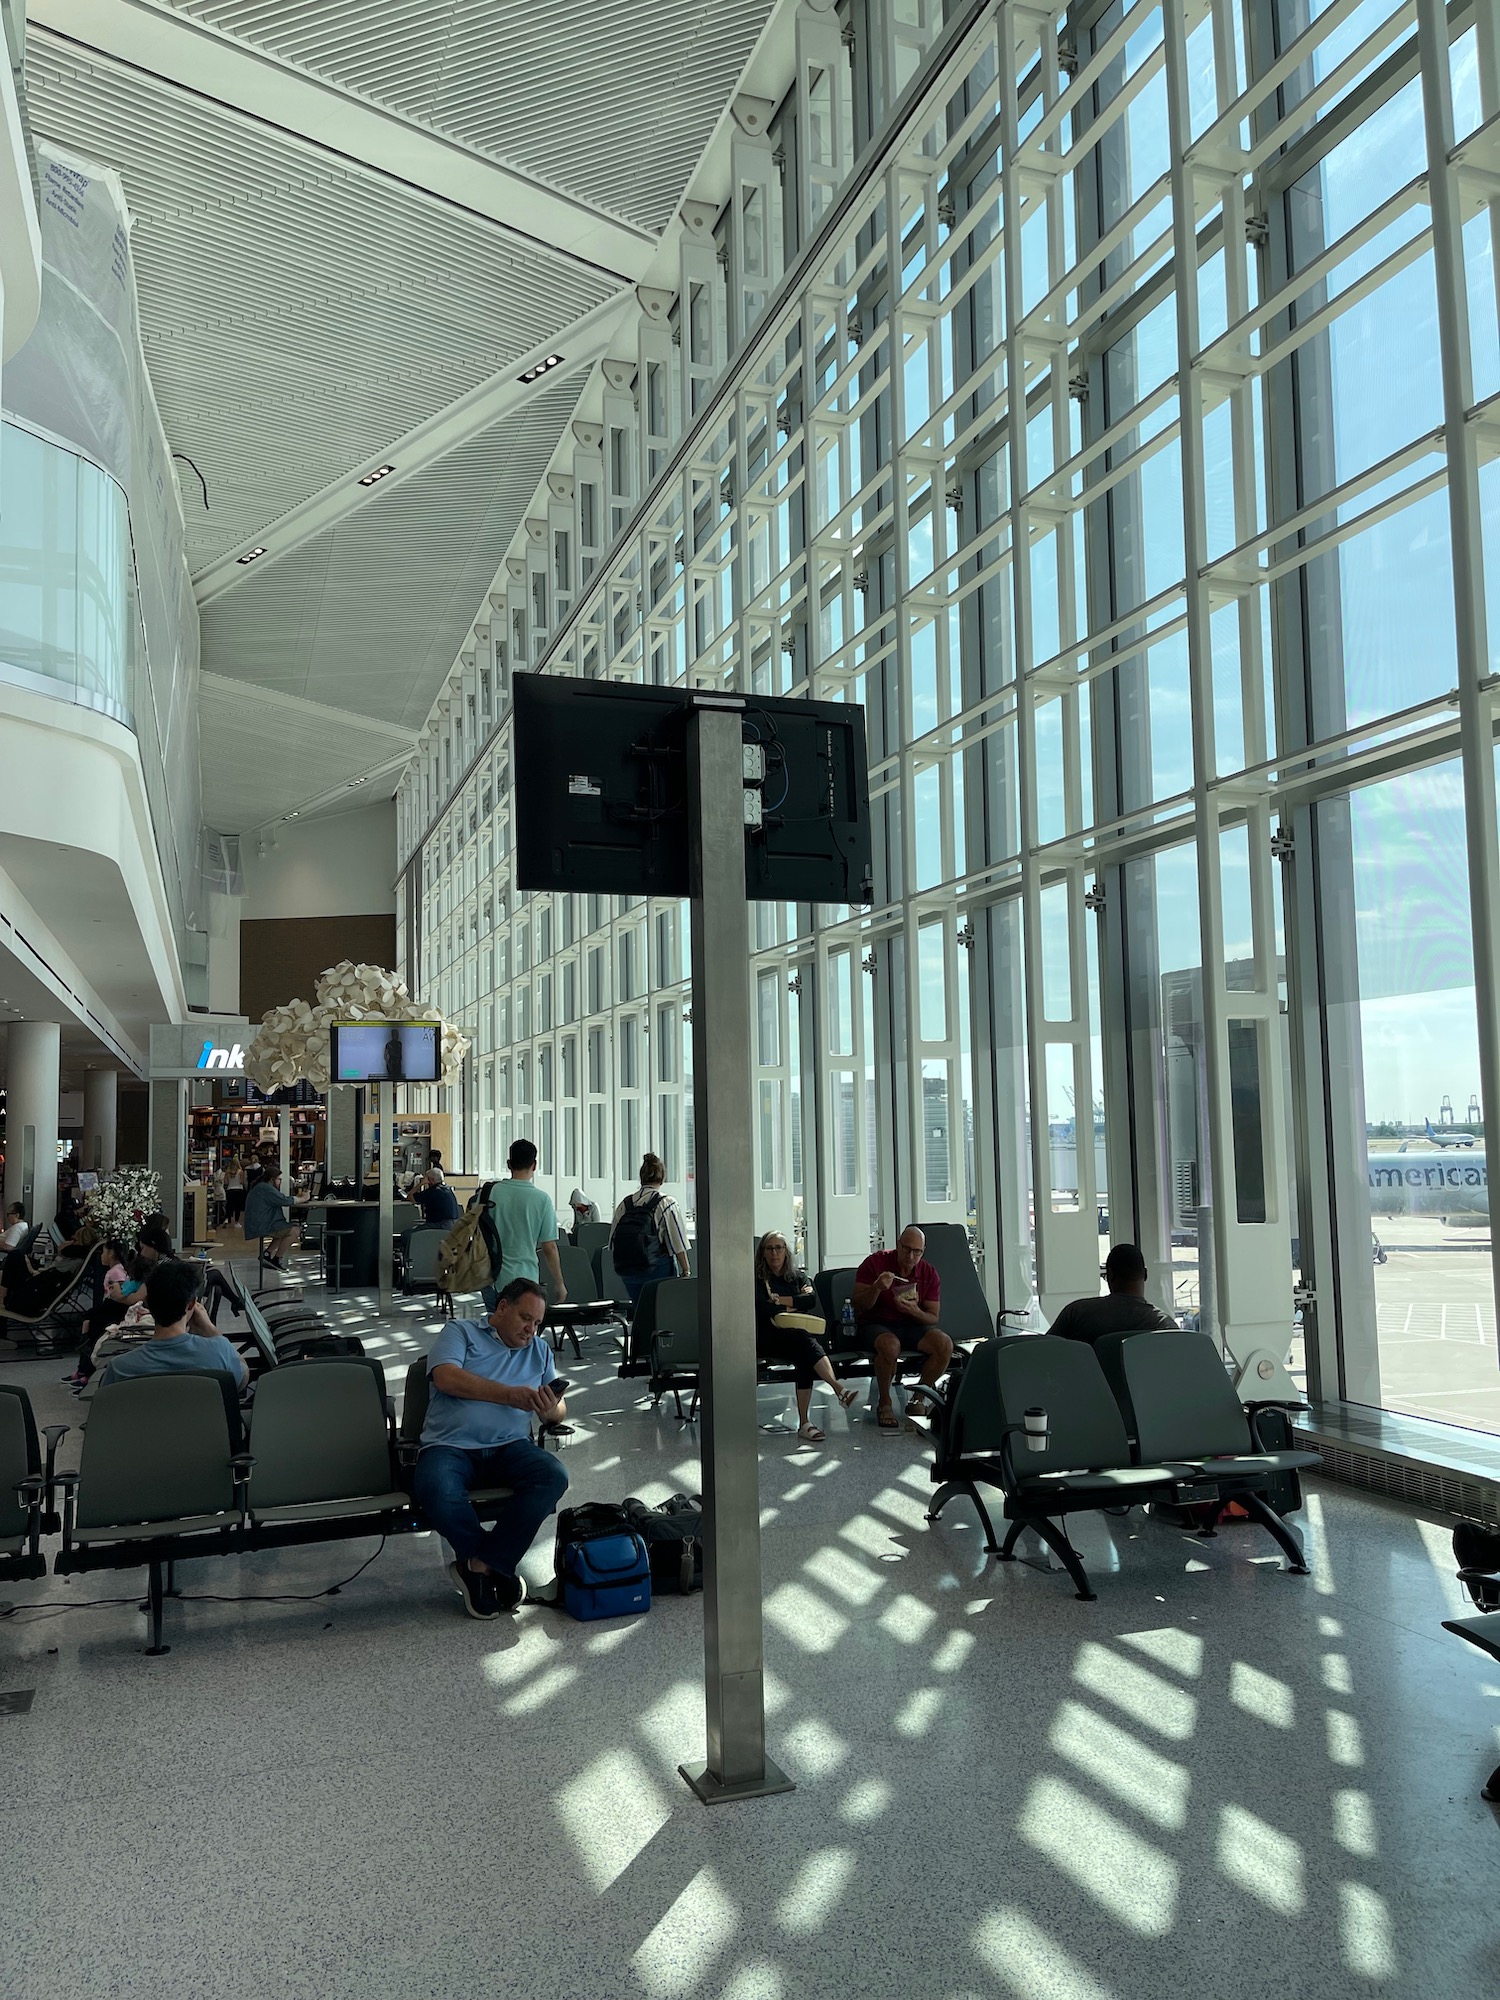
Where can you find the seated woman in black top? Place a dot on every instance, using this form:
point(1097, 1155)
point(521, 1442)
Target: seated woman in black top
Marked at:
point(781, 1288)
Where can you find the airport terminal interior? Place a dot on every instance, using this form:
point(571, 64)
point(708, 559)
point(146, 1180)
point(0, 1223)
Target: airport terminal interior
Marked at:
point(706, 699)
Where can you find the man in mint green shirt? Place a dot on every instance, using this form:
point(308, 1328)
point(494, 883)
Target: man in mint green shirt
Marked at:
point(526, 1223)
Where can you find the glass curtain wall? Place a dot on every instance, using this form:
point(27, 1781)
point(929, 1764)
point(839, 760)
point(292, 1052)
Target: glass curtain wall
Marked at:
point(1101, 399)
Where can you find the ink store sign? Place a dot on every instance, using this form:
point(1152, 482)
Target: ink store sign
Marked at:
point(204, 1047)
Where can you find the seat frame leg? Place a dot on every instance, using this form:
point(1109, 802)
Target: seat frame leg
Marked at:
point(1056, 1538)
point(153, 1602)
point(1260, 1509)
point(948, 1491)
point(1007, 1550)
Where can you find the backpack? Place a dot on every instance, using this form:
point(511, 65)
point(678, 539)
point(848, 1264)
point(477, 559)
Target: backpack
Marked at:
point(469, 1255)
point(602, 1567)
point(673, 1535)
point(635, 1243)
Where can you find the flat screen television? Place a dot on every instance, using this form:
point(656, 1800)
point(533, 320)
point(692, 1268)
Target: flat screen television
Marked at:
point(601, 792)
point(386, 1051)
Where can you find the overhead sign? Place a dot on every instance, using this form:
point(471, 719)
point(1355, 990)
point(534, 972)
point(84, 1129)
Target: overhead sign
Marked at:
point(206, 1045)
point(232, 1058)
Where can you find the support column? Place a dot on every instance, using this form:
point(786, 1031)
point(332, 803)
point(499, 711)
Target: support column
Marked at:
point(343, 1133)
point(168, 1146)
point(385, 1263)
point(32, 1060)
point(99, 1104)
point(734, 1680)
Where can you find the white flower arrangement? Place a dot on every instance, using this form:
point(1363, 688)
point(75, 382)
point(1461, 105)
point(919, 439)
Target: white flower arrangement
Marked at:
point(292, 1043)
point(119, 1204)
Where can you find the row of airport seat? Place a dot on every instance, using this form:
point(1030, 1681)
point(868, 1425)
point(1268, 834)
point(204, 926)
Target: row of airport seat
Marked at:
point(1060, 1427)
point(172, 1468)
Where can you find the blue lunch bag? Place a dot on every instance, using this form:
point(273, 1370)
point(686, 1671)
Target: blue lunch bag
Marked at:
point(606, 1577)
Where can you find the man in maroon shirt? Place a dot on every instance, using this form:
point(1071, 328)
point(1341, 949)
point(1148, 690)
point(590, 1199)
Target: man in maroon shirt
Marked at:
point(896, 1295)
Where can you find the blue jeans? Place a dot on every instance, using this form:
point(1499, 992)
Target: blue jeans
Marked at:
point(657, 1271)
point(446, 1473)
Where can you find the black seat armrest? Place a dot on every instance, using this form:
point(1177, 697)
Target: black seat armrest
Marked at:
point(241, 1463)
point(54, 1434)
point(1254, 1412)
point(68, 1481)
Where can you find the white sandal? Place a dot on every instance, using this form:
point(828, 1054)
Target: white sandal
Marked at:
point(810, 1434)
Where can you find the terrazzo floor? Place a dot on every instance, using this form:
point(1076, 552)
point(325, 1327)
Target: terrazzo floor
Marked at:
point(1218, 1780)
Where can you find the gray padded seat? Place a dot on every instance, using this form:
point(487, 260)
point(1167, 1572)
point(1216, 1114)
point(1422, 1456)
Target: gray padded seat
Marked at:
point(590, 1237)
point(1064, 1378)
point(20, 1467)
point(963, 1311)
point(157, 1458)
point(607, 1280)
point(321, 1442)
point(1086, 1464)
point(159, 1479)
point(1182, 1408)
point(414, 1415)
point(582, 1285)
point(1482, 1631)
point(422, 1247)
point(183, 1525)
point(676, 1346)
point(585, 1304)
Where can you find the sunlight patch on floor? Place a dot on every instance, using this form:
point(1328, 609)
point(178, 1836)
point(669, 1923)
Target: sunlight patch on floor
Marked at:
point(1113, 1866)
point(695, 1931)
point(611, 1811)
point(1029, 1964)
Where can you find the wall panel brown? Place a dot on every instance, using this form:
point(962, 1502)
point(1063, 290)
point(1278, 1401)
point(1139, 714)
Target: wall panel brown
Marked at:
point(281, 957)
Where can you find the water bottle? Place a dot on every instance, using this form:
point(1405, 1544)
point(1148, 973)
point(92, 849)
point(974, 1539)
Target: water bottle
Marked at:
point(848, 1318)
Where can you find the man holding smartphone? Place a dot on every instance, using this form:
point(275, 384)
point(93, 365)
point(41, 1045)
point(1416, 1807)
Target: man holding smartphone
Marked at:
point(488, 1379)
point(896, 1297)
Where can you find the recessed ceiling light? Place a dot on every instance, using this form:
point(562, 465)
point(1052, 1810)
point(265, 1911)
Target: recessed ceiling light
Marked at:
point(253, 556)
point(541, 368)
point(374, 478)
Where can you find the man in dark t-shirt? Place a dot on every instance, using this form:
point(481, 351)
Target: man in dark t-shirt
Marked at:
point(1123, 1309)
point(896, 1295)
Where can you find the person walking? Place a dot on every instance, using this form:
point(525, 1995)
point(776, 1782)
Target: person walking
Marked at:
point(646, 1237)
point(526, 1224)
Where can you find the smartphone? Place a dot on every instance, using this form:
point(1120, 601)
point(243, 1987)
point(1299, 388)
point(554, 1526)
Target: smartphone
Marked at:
point(559, 1387)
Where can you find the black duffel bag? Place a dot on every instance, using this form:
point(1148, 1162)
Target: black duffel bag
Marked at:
point(673, 1534)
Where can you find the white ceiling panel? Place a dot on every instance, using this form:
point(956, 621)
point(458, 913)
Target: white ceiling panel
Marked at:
point(371, 614)
point(611, 104)
point(272, 754)
point(298, 316)
point(355, 223)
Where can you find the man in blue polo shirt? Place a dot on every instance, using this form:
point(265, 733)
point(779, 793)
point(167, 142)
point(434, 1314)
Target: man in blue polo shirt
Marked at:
point(488, 1379)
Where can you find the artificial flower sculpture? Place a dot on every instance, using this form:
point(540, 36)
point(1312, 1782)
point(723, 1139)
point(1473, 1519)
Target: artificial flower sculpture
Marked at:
point(292, 1043)
point(121, 1202)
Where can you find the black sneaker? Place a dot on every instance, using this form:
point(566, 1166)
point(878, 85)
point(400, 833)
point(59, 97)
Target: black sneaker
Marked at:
point(476, 1590)
point(507, 1593)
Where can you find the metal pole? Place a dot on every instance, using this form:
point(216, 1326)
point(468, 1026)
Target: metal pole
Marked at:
point(284, 1145)
point(387, 1130)
point(733, 1669)
point(1475, 727)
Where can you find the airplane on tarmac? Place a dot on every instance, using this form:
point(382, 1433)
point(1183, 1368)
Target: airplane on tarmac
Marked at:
point(1446, 1138)
point(1403, 1183)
